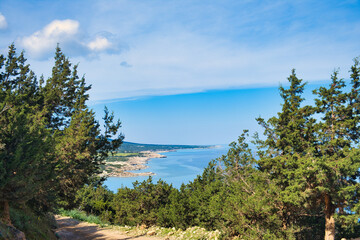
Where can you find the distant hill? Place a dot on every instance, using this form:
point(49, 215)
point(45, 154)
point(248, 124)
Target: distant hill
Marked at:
point(138, 147)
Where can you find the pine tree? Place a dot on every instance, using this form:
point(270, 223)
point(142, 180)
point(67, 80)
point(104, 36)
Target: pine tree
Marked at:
point(80, 148)
point(316, 162)
point(252, 202)
point(24, 139)
point(50, 142)
point(289, 137)
point(337, 154)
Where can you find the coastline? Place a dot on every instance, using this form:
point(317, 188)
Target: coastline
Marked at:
point(132, 164)
point(181, 166)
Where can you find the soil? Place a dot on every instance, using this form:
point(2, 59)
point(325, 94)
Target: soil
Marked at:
point(71, 229)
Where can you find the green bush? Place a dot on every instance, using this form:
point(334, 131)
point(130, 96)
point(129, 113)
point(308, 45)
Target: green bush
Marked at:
point(34, 226)
point(82, 216)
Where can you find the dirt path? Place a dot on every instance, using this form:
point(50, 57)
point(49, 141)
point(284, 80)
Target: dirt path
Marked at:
point(71, 229)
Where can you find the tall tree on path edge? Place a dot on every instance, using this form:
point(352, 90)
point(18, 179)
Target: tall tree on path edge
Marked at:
point(316, 162)
point(50, 142)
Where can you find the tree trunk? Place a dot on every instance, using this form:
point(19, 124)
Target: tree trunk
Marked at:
point(5, 212)
point(329, 219)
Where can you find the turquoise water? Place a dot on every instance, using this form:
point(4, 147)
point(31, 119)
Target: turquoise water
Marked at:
point(179, 167)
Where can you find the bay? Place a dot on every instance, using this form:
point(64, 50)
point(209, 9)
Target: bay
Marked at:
point(181, 166)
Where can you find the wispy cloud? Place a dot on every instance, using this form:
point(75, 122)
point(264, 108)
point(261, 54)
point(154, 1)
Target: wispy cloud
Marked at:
point(3, 23)
point(191, 45)
point(183, 63)
point(125, 64)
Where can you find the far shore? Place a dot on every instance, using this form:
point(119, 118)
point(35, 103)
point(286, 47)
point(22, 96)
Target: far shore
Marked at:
point(133, 164)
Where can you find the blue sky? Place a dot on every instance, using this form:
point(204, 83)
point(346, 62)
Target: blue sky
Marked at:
point(189, 71)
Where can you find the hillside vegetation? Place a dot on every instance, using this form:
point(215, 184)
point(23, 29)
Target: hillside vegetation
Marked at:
point(129, 147)
point(50, 142)
point(301, 182)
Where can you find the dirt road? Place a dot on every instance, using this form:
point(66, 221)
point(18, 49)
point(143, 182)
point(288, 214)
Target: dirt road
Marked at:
point(70, 229)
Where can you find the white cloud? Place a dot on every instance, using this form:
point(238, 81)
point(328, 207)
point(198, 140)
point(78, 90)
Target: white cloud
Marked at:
point(42, 43)
point(45, 40)
point(179, 47)
point(99, 44)
point(3, 23)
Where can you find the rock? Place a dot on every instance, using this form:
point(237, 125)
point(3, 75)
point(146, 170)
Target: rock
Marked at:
point(11, 232)
point(151, 233)
point(142, 227)
point(19, 235)
point(51, 219)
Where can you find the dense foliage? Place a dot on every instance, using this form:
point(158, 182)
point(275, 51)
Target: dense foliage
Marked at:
point(230, 195)
point(129, 147)
point(302, 182)
point(312, 152)
point(50, 142)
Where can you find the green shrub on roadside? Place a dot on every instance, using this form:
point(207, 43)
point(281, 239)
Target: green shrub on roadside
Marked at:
point(82, 216)
point(35, 227)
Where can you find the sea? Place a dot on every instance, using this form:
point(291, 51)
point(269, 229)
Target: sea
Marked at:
point(180, 166)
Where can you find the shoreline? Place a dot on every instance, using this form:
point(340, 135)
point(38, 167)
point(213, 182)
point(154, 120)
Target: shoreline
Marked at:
point(132, 164)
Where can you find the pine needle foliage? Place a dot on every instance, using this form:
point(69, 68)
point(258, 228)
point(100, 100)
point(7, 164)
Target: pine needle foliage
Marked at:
point(300, 180)
point(50, 142)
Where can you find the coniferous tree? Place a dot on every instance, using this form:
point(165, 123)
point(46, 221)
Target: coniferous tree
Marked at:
point(25, 141)
point(337, 154)
point(80, 148)
point(50, 142)
point(316, 162)
point(289, 138)
point(252, 205)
